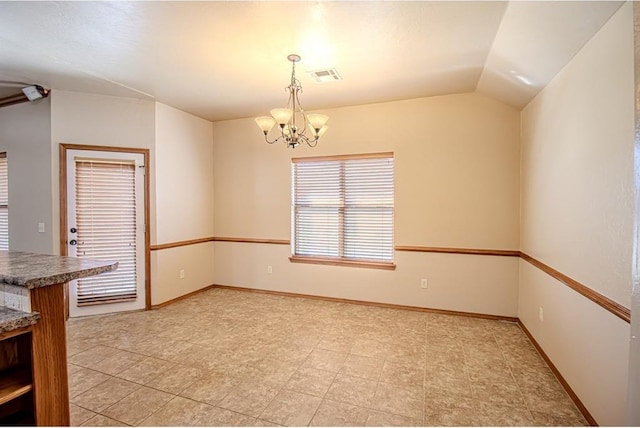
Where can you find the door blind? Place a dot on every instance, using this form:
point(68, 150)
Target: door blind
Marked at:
point(343, 208)
point(106, 224)
point(4, 202)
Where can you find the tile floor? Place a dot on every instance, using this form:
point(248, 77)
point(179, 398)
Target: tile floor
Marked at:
point(233, 358)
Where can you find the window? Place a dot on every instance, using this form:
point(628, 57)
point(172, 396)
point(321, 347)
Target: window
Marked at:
point(4, 203)
point(342, 210)
point(106, 228)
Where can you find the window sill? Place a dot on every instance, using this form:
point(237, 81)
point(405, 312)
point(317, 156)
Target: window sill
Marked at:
point(341, 262)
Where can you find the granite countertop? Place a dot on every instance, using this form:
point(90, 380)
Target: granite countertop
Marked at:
point(32, 270)
point(10, 319)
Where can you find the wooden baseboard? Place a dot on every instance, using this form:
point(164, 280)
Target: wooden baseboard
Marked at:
point(185, 296)
point(367, 303)
point(576, 400)
point(339, 300)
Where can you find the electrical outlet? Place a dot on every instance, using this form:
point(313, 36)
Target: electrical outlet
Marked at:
point(40, 227)
point(541, 314)
point(424, 283)
point(269, 270)
point(181, 273)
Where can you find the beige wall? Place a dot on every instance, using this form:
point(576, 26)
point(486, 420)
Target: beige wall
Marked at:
point(181, 199)
point(100, 120)
point(184, 203)
point(485, 285)
point(25, 134)
point(577, 215)
point(457, 185)
point(589, 345)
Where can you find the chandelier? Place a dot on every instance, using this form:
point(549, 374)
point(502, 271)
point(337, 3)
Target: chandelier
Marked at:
point(295, 126)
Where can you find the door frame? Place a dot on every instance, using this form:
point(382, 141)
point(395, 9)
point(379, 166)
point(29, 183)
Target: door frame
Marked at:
point(633, 393)
point(147, 212)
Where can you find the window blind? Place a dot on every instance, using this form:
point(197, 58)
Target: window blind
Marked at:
point(106, 224)
point(343, 207)
point(4, 202)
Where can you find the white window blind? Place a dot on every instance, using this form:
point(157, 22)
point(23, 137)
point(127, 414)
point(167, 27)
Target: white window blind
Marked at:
point(4, 202)
point(343, 207)
point(106, 223)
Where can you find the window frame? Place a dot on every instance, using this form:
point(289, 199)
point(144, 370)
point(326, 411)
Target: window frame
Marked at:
point(5, 161)
point(340, 261)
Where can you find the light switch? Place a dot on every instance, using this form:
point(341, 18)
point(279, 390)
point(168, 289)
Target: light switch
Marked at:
point(41, 227)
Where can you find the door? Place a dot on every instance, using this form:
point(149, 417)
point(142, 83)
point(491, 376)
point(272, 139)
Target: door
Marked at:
point(105, 220)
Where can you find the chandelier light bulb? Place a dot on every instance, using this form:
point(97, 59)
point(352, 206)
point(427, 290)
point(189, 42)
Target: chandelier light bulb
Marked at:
point(282, 115)
point(265, 123)
point(317, 121)
point(319, 133)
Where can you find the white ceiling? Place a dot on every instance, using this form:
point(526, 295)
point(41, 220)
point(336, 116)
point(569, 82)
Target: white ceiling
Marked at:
point(227, 59)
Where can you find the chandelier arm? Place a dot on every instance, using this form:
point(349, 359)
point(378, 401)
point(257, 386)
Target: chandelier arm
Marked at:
point(291, 105)
point(303, 130)
point(266, 138)
point(294, 101)
point(311, 142)
point(295, 88)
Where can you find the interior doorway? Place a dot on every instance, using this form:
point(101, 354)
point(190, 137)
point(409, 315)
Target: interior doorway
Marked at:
point(104, 215)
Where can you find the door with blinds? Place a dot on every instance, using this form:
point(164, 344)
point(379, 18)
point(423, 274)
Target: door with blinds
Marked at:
point(105, 217)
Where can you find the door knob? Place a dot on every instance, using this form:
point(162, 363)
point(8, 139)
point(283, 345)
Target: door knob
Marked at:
point(73, 242)
point(73, 230)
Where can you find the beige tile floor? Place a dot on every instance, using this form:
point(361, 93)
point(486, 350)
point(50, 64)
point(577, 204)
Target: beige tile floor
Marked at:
point(228, 358)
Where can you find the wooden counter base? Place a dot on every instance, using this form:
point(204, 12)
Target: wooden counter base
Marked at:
point(49, 357)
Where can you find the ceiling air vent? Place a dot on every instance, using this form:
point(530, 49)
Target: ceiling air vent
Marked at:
point(325, 75)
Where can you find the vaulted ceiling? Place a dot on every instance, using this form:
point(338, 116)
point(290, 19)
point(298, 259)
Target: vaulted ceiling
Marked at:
point(227, 59)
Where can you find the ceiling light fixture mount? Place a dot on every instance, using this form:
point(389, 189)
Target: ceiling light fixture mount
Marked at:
point(35, 92)
point(296, 127)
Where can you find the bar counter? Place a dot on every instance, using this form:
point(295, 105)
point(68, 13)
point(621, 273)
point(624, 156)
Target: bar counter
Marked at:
point(32, 318)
